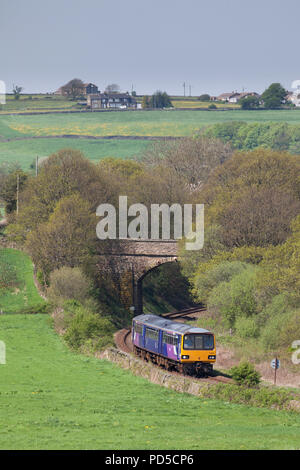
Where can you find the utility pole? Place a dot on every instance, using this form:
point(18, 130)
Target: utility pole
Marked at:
point(190, 90)
point(18, 185)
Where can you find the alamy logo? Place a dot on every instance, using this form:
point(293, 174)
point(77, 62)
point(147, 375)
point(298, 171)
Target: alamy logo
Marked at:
point(2, 92)
point(2, 353)
point(160, 222)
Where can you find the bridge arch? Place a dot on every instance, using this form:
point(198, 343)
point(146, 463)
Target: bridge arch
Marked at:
point(137, 258)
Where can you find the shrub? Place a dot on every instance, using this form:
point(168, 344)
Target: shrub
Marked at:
point(235, 298)
point(68, 283)
point(212, 106)
point(245, 374)
point(281, 330)
point(246, 327)
point(223, 272)
point(86, 330)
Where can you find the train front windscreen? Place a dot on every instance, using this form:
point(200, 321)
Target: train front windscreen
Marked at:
point(198, 341)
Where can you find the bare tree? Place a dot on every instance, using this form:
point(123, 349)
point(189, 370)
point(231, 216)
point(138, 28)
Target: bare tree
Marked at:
point(17, 91)
point(192, 158)
point(74, 88)
point(259, 217)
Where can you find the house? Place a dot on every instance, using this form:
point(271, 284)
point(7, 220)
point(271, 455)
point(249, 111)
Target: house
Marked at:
point(235, 97)
point(111, 101)
point(90, 89)
point(225, 96)
point(294, 96)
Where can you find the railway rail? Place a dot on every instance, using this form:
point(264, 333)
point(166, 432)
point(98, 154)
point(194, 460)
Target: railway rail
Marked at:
point(184, 313)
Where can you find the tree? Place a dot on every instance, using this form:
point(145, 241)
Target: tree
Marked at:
point(11, 184)
point(145, 102)
point(66, 239)
point(250, 102)
point(259, 217)
point(160, 100)
point(17, 91)
point(192, 158)
point(74, 88)
point(112, 88)
point(68, 283)
point(204, 97)
point(274, 96)
point(63, 174)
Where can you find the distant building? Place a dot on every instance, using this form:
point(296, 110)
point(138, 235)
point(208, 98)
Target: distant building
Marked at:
point(294, 96)
point(235, 97)
point(90, 89)
point(111, 101)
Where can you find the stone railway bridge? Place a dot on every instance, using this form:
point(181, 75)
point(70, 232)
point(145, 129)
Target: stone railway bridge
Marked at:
point(129, 261)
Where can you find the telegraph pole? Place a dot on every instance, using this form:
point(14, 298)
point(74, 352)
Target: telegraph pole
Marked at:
point(18, 185)
point(183, 88)
point(190, 90)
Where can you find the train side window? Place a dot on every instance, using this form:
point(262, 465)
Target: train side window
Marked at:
point(170, 339)
point(152, 334)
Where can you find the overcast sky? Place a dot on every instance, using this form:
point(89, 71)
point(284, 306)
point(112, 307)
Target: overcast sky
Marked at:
point(213, 45)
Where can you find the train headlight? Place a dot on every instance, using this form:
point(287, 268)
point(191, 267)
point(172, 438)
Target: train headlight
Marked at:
point(211, 357)
point(185, 357)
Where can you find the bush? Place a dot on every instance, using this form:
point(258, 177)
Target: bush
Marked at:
point(281, 330)
point(212, 106)
point(235, 298)
point(86, 330)
point(246, 327)
point(68, 283)
point(245, 374)
point(224, 272)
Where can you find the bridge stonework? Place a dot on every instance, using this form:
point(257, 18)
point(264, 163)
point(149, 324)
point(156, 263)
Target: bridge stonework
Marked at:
point(129, 261)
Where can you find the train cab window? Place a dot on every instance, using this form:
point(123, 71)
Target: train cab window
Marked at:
point(198, 341)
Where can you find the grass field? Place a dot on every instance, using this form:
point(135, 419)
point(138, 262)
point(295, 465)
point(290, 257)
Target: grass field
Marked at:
point(194, 103)
point(25, 294)
point(28, 103)
point(52, 398)
point(128, 123)
point(132, 123)
point(25, 151)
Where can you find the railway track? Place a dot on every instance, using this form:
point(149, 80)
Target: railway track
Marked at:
point(184, 313)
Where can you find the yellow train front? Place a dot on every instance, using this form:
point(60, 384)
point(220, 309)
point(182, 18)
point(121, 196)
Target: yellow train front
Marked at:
point(174, 345)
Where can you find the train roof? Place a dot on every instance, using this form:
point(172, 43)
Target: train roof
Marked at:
point(163, 323)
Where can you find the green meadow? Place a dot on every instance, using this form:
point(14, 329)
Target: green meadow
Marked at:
point(133, 123)
point(25, 151)
point(123, 123)
point(23, 294)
